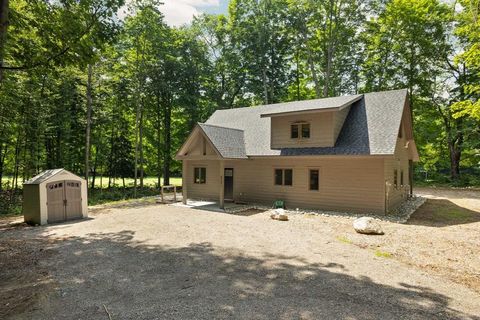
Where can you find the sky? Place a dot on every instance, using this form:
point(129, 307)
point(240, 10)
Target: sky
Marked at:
point(178, 12)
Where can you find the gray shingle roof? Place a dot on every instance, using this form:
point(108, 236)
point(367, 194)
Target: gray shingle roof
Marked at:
point(310, 105)
point(370, 128)
point(230, 143)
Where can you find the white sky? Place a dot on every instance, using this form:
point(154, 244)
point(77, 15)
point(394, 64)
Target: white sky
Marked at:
point(178, 12)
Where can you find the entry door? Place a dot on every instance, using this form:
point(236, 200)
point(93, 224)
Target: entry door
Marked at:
point(228, 184)
point(73, 199)
point(55, 201)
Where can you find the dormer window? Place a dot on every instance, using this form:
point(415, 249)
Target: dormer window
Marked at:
point(300, 130)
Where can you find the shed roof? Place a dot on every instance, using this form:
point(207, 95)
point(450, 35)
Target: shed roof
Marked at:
point(45, 175)
point(371, 127)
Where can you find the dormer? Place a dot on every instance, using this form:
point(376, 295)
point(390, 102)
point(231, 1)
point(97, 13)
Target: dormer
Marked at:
point(317, 123)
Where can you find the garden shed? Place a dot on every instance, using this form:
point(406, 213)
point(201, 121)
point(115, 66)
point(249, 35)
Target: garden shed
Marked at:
point(53, 196)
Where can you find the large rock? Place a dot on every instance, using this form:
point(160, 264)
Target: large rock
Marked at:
point(279, 214)
point(367, 225)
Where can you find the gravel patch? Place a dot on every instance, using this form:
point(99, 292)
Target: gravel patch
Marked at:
point(400, 215)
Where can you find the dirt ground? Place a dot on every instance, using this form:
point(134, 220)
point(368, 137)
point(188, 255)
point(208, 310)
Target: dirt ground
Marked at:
point(152, 261)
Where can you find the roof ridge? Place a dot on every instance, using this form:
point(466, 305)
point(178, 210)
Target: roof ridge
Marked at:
point(217, 126)
point(296, 101)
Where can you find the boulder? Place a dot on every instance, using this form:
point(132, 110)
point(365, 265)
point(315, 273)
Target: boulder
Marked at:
point(367, 225)
point(279, 214)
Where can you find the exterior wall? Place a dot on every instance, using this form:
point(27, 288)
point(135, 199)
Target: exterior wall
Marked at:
point(210, 190)
point(339, 119)
point(399, 162)
point(346, 184)
point(321, 131)
point(31, 204)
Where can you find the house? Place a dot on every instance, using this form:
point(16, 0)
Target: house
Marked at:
point(349, 153)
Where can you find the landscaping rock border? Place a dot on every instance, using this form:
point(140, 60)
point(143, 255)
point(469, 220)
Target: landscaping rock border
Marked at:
point(399, 215)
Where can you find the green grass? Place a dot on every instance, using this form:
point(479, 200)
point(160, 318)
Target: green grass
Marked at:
point(11, 203)
point(344, 239)
point(383, 254)
point(147, 181)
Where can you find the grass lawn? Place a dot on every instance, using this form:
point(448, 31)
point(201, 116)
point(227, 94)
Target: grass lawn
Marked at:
point(147, 181)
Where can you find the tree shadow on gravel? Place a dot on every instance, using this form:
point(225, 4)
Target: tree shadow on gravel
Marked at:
point(135, 280)
point(442, 213)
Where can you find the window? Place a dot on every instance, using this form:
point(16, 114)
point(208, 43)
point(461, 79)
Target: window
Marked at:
point(401, 178)
point(306, 130)
point(294, 131)
point(278, 177)
point(314, 179)
point(283, 177)
point(395, 178)
point(200, 175)
point(288, 177)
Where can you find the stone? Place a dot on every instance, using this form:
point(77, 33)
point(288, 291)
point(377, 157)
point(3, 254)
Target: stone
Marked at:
point(367, 225)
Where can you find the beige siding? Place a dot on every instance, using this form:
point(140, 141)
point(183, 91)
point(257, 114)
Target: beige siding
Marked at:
point(354, 184)
point(211, 189)
point(339, 119)
point(398, 162)
point(321, 131)
point(200, 144)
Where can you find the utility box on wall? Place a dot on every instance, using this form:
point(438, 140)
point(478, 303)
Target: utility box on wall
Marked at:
point(54, 196)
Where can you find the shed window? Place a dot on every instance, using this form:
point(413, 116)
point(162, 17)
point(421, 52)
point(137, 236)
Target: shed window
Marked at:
point(283, 177)
point(294, 131)
point(200, 175)
point(395, 178)
point(314, 177)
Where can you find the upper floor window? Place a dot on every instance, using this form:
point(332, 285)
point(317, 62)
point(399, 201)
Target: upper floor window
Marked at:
point(300, 130)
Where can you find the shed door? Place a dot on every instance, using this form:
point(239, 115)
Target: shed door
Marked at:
point(55, 203)
point(73, 199)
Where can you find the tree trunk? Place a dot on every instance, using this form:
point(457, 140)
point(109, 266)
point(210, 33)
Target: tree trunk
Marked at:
point(94, 175)
point(167, 138)
point(159, 141)
point(89, 121)
point(4, 6)
point(455, 150)
point(2, 161)
point(140, 133)
point(265, 85)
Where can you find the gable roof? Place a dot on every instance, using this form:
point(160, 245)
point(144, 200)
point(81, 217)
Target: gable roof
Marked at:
point(371, 127)
point(315, 105)
point(45, 175)
point(229, 142)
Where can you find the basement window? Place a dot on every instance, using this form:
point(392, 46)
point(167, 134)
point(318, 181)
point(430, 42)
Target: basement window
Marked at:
point(283, 177)
point(200, 175)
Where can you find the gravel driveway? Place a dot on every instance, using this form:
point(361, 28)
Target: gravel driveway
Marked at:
point(166, 262)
